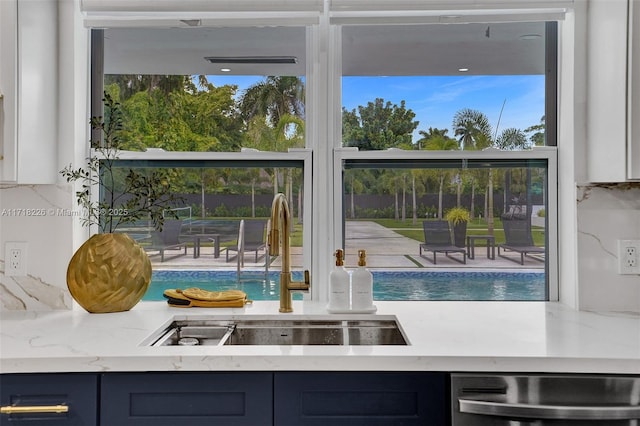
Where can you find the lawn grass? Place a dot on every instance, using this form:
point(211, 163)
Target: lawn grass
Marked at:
point(475, 227)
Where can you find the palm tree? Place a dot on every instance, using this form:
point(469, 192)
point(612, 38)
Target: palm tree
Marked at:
point(289, 133)
point(439, 141)
point(444, 142)
point(355, 185)
point(512, 139)
point(473, 129)
point(274, 98)
point(280, 100)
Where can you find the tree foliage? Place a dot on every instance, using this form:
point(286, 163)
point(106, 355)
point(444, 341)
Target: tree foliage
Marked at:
point(378, 125)
point(512, 139)
point(188, 119)
point(273, 98)
point(187, 113)
point(472, 129)
point(437, 139)
point(537, 137)
point(127, 194)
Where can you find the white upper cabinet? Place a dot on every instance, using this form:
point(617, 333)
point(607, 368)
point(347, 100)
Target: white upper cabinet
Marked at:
point(612, 83)
point(8, 78)
point(633, 97)
point(28, 83)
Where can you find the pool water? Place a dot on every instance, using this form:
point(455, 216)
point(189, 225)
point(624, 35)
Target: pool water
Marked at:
point(387, 285)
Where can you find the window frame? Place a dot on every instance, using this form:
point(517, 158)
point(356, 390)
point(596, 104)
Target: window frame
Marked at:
point(295, 155)
point(324, 153)
point(548, 154)
point(161, 158)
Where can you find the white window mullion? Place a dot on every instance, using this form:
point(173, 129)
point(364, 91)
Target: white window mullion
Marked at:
point(319, 130)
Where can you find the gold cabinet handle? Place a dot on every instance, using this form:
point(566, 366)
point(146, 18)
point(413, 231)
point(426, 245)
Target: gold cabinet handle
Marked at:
point(13, 409)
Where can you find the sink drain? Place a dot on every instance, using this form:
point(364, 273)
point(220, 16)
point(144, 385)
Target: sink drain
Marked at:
point(188, 341)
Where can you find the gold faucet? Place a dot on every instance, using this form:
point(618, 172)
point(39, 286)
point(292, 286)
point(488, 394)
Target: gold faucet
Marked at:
point(280, 222)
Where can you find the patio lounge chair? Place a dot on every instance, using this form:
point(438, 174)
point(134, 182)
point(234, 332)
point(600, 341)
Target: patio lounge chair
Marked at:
point(518, 239)
point(437, 239)
point(254, 238)
point(167, 239)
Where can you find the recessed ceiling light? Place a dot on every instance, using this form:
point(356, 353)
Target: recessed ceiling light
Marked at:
point(225, 69)
point(530, 37)
point(463, 69)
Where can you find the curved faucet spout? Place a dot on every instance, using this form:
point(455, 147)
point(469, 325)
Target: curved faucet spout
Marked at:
point(280, 223)
point(279, 235)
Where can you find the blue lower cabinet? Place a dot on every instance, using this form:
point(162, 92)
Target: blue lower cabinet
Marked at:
point(227, 399)
point(187, 399)
point(360, 398)
point(49, 399)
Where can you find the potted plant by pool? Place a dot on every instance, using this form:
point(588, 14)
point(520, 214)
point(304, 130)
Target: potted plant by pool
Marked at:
point(110, 272)
point(458, 218)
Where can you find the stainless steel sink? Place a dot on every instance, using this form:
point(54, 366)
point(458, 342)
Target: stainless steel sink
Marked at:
point(286, 332)
point(305, 331)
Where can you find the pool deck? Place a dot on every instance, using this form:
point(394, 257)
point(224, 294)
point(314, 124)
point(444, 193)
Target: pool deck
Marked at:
point(385, 248)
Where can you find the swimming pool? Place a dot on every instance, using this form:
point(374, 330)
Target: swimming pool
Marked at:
point(387, 285)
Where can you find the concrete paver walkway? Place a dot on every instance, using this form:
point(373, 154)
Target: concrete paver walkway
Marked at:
point(386, 249)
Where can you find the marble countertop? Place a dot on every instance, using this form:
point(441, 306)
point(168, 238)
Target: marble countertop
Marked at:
point(443, 336)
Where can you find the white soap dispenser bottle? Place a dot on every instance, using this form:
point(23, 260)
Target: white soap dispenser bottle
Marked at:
point(362, 285)
point(339, 283)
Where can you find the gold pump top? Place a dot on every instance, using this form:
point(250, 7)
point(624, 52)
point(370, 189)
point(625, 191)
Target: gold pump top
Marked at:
point(362, 258)
point(339, 257)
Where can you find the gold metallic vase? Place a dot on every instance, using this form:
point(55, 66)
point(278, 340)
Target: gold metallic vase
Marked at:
point(109, 273)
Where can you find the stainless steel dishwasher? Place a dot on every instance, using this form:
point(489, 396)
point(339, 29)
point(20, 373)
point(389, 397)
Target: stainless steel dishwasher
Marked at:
point(544, 399)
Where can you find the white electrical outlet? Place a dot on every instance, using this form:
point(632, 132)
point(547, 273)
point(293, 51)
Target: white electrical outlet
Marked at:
point(15, 258)
point(629, 257)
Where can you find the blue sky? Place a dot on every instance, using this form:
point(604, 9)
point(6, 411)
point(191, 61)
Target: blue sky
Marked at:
point(436, 99)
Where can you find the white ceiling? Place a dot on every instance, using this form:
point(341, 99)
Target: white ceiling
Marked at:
point(182, 51)
point(436, 49)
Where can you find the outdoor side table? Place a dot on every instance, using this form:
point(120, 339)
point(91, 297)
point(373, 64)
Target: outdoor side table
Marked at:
point(196, 244)
point(491, 245)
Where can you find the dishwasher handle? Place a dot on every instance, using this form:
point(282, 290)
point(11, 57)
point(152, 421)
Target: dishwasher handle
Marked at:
point(549, 412)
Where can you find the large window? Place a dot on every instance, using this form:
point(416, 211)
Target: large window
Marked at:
point(232, 115)
point(444, 228)
point(454, 108)
point(219, 113)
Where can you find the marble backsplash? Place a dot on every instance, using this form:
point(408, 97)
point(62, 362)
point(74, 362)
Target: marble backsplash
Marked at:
point(607, 213)
point(41, 216)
